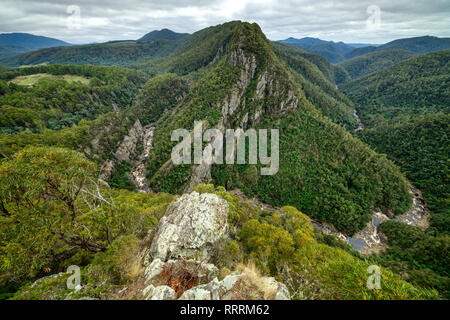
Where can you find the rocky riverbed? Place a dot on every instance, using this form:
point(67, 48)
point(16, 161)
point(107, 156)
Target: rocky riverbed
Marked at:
point(370, 240)
point(138, 171)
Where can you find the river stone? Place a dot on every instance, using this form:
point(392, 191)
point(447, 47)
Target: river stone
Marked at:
point(191, 223)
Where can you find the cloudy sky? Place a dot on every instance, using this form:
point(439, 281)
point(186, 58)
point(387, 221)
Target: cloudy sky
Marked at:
point(85, 21)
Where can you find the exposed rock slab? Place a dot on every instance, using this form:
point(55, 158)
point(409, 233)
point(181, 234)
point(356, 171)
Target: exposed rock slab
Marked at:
point(191, 223)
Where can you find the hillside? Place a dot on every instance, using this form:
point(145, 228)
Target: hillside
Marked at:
point(234, 91)
point(318, 78)
point(405, 110)
point(415, 86)
point(55, 103)
point(374, 61)
point(163, 34)
point(418, 45)
point(332, 51)
point(120, 53)
point(16, 43)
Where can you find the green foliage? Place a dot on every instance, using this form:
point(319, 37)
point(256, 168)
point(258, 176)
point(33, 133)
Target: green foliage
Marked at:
point(324, 171)
point(51, 204)
point(333, 73)
point(95, 138)
point(422, 258)
point(119, 261)
point(194, 51)
point(310, 269)
point(420, 147)
point(38, 189)
point(316, 78)
point(419, 85)
point(405, 110)
point(158, 96)
point(120, 177)
point(54, 103)
point(333, 182)
point(120, 53)
point(371, 62)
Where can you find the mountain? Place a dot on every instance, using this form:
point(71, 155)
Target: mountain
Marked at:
point(405, 111)
point(319, 80)
point(391, 100)
point(163, 34)
point(417, 45)
point(16, 43)
point(336, 52)
point(333, 51)
point(122, 53)
point(415, 86)
point(374, 61)
point(246, 84)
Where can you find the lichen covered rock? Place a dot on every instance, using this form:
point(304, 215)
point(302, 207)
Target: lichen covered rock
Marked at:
point(191, 223)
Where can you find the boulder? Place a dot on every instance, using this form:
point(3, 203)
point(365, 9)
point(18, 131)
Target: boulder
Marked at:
point(191, 223)
point(162, 293)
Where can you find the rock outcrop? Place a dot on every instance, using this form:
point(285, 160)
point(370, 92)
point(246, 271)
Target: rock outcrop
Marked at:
point(177, 263)
point(191, 224)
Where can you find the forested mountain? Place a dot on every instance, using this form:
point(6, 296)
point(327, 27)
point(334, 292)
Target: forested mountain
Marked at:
point(417, 45)
point(393, 99)
point(405, 109)
point(336, 52)
point(121, 53)
point(234, 90)
point(16, 43)
point(57, 103)
point(419, 85)
point(374, 61)
point(78, 141)
point(163, 34)
point(317, 77)
point(332, 51)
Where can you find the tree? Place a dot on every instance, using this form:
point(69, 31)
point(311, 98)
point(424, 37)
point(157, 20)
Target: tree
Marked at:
point(39, 188)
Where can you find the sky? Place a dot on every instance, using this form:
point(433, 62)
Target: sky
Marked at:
point(356, 21)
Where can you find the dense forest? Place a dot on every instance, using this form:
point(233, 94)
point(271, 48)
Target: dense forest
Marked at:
point(371, 62)
point(119, 53)
point(405, 111)
point(56, 104)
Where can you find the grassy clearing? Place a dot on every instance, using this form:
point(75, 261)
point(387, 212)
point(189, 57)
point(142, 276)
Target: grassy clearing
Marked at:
point(32, 79)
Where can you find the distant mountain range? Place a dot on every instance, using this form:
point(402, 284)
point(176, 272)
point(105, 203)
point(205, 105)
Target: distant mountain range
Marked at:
point(333, 51)
point(339, 51)
point(21, 49)
point(154, 44)
point(16, 43)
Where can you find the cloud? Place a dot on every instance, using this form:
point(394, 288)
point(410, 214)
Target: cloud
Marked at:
point(104, 20)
